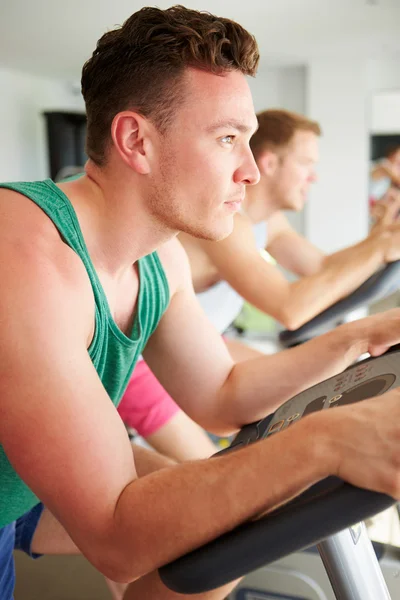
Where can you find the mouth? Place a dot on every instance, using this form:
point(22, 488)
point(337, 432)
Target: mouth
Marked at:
point(236, 199)
point(234, 204)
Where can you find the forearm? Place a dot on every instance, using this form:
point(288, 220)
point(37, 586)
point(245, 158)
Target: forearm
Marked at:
point(168, 513)
point(240, 351)
point(370, 252)
point(341, 274)
point(293, 304)
point(256, 388)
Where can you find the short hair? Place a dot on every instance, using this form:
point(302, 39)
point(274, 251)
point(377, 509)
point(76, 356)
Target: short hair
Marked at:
point(140, 66)
point(276, 129)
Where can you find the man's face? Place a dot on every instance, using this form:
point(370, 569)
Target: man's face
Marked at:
point(295, 171)
point(205, 162)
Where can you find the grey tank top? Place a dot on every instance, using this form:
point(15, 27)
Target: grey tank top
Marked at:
point(221, 303)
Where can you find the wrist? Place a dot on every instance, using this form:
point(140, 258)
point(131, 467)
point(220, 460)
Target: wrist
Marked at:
point(322, 435)
point(380, 241)
point(350, 340)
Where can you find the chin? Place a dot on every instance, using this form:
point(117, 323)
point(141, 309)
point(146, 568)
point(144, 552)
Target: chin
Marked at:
point(296, 205)
point(212, 233)
point(220, 233)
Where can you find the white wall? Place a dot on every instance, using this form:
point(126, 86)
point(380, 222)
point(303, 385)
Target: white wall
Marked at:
point(351, 99)
point(383, 75)
point(337, 213)
point(264, 88)
point(23, 98)
point(282, 88)
point(383, 80)
point(385, 112)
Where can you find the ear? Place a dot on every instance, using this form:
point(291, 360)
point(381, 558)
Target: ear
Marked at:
point(131, 135)
point(267, 162)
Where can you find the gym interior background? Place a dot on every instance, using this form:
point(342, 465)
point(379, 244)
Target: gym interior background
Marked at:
point(335, 61)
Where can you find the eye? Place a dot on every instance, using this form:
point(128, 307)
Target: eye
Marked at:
point(228, 139)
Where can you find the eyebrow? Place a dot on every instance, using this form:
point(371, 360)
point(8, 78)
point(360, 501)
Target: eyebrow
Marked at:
point(231, 123)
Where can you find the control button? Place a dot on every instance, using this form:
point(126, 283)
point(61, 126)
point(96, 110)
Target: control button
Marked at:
point(292, 419)
point(276, 427)
point(335, 399)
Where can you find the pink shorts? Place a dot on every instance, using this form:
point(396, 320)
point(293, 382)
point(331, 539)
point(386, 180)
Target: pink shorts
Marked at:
point(146, 406)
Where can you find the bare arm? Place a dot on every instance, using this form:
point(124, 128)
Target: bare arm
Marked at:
point(296, 254)
point(291, 250)
point(260, 283)
point(240, 351)
point(56, 407)
point(191, 361)
point(65, 439)
point(124, 525)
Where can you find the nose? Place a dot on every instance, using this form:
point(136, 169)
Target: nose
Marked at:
point(248, 172)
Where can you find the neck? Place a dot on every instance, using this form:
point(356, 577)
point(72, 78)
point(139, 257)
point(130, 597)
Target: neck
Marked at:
point(260, 202)
point(111, 209)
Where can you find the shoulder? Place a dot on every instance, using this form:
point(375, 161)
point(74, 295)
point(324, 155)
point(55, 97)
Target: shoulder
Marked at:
point(278, 221)
point(37, 267)
point(175, 263)
point(277, 225)
point(28, 233)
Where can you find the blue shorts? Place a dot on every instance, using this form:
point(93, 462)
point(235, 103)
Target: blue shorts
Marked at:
point(16, 536)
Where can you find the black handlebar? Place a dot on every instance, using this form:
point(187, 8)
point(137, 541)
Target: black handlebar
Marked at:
point(378, 286)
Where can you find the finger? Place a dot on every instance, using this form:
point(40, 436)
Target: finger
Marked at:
point(378, 350)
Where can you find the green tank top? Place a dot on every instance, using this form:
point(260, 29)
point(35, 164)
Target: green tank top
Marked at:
point(113, 354)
